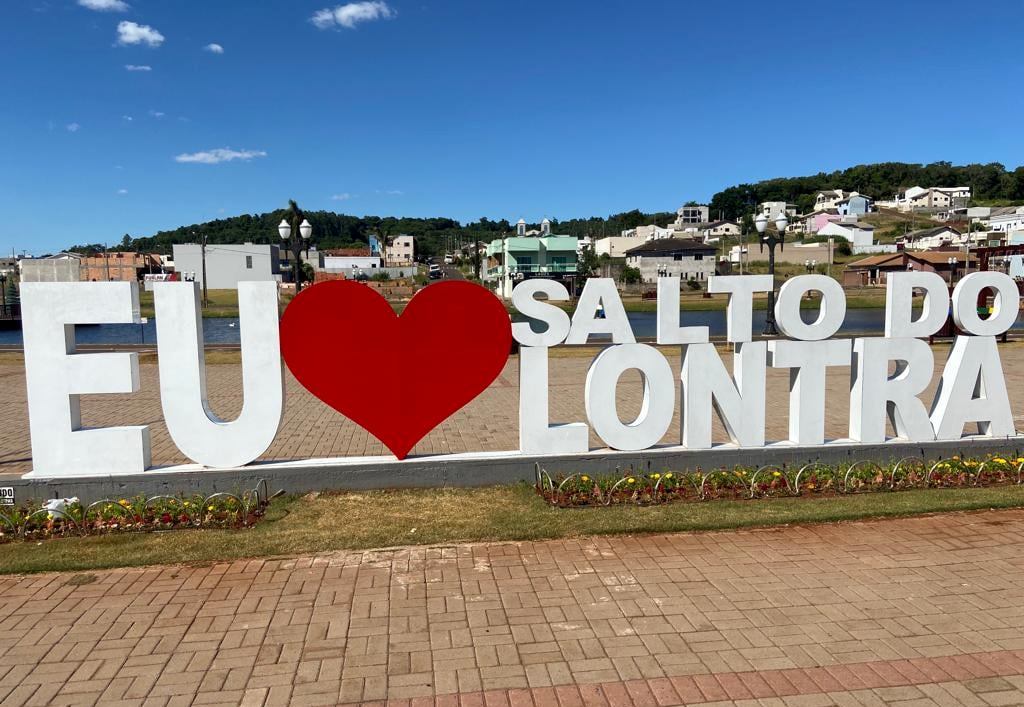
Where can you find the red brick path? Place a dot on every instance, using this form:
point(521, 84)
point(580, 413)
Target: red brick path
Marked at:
point(914, 612)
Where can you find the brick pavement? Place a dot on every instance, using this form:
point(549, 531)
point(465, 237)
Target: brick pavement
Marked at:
point(922, 611)
point(311, 429)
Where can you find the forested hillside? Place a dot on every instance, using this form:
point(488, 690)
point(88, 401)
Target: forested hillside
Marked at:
point(989, 182)
point(332, 230)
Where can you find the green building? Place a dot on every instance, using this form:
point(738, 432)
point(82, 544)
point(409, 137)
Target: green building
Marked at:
point(516, 258)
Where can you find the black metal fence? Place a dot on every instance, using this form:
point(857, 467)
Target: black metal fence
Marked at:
point(10, 311)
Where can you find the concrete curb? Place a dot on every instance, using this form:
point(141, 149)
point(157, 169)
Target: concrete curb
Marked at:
point(479, 468)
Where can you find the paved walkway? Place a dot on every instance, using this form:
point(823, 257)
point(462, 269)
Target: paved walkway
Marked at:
point(489, 423)
point(922, 611)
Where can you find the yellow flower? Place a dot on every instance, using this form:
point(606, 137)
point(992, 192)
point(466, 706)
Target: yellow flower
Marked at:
point(956, 458)
point(655, 476)
point(123, 501)
point(810, 486)
point(209, 508)
point(1000, 460)
point(584, 478)
point(1020, 460)
point(187, 504)
point(776, 473)
point(630, 480)
point(669, 474)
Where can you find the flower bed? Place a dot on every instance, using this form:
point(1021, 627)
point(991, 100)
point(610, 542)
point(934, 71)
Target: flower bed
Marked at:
point(69, 517)
point(630, 487)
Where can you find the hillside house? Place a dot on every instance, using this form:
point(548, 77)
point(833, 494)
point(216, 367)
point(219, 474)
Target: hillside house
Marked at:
point(931, 238)
point(828, 198)
point(855, 204)
point(874, 270)
point(856, 234)
point(687, 258)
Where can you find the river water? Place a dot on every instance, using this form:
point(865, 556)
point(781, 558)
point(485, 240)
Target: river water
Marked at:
point(225, 330)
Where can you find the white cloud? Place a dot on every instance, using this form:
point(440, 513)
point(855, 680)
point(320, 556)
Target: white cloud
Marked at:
point(72, 127)
point(351, 14)
point(105, 5)
point(122, 192)
point(221, 154)
point(214, 48)
point(157, 113)
point(391, 192)
point(132, 33)
point(127, 118)
point(344, 196)
point(137, 67)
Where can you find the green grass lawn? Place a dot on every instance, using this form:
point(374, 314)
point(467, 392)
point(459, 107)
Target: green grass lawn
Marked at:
point(356, 521)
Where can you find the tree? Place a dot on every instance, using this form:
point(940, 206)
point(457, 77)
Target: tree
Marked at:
point(11, 294)
point(629, 275)
point(589, 262)
point(126, 243)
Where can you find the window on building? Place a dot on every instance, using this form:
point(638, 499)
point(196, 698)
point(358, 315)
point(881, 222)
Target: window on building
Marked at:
point(698, 256)
point(677, 256)
point(248, 262)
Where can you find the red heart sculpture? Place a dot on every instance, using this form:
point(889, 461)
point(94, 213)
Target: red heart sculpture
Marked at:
point(396, 376)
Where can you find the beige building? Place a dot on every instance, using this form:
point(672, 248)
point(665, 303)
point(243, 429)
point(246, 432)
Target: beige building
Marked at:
point(718, 229)
point(401, 251)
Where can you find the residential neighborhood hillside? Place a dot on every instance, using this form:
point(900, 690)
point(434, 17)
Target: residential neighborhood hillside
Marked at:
point(988, 182)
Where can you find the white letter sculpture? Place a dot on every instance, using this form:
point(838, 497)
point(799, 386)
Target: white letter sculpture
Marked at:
point(56, 377)
point(740, 406)
point(659, 396)
point(196, 430)
point(874, 394)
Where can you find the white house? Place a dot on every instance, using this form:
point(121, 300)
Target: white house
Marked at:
point(932, 198)
point(930, 238)
point(828, 198)
point(1008, 222)
point(350, 259)
point(647, 233)
point(718, 229)
point(401, 251)
point(857, 234)
point(697, 213)
point(771, 209)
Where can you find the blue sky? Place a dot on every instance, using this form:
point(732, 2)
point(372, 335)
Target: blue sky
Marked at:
point(475, 108)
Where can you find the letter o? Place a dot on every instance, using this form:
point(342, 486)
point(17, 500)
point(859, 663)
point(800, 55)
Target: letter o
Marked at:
point(1005, 305)
point(830, 318)
point(659, 396)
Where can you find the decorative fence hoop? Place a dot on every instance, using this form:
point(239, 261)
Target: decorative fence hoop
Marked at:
point(864, 463)
point(4, 520)
point(125, 512)
point(541, 474)
point(63, 514)
point(1020, 470)
point(219, 494)
point(905, 465)
point(796, 480)
point(769, 467)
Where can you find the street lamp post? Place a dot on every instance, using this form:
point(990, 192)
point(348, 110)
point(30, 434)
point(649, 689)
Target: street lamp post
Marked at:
point(771, 240)
point(952, 262)
point(304, 232)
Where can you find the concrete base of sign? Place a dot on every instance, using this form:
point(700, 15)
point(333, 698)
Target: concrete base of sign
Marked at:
point(480, 468)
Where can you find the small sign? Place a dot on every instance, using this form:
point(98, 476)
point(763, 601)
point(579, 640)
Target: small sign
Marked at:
point(6, 495)
point(145, 320)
